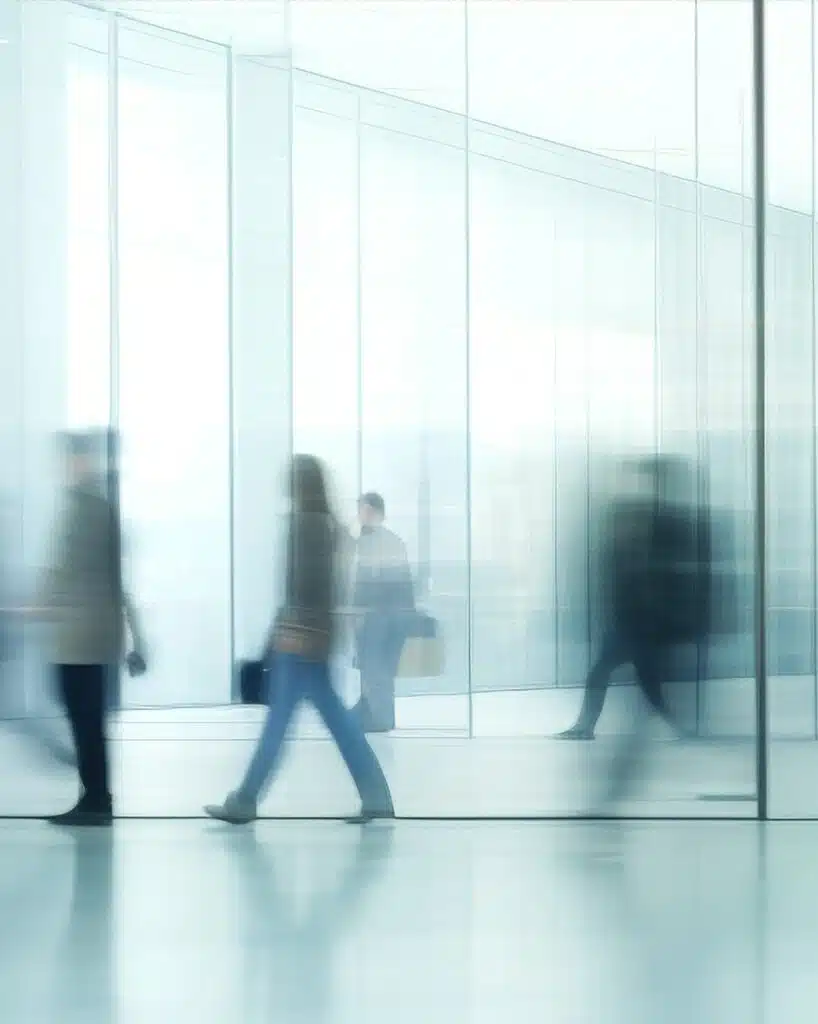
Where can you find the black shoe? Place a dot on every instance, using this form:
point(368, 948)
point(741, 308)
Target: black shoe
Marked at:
point(83, 815)
point(575, 733)
point(365, 817)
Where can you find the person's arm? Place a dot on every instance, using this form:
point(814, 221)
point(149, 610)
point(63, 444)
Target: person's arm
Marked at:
point(130, 617)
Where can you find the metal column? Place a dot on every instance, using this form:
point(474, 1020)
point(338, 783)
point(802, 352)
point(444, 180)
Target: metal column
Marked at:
point(759, 240)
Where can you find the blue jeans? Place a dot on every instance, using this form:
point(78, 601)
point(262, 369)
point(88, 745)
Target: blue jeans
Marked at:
point(299, 679)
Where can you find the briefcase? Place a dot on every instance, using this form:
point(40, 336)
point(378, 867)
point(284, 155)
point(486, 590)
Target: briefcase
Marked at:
point(423, 653)
point(253, 682)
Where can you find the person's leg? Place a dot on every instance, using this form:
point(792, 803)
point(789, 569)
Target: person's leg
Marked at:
point(650, 661)
point(97, 784)
point(611, 656)
point(68, 688)
point(83, 689)
point(378, 681)
point(240, 806)
point(367, 658)
point(358, 755)
point(630, 755)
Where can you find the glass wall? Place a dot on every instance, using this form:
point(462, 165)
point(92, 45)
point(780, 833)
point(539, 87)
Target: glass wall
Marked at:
point(479, 303)
point(173, 358)
point(791, 429)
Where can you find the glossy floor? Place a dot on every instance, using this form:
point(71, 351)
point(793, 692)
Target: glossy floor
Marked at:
point(289, 922)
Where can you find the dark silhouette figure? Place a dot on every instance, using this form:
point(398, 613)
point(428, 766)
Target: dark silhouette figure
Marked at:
point(656, 567)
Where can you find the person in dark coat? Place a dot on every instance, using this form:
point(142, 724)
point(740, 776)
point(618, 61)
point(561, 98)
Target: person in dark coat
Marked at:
point(655, 566)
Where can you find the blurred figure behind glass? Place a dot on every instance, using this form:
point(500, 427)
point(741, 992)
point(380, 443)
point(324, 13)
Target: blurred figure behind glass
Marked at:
point(383, 599)
point(656, 569)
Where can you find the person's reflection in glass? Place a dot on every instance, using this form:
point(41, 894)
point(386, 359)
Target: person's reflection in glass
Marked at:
point(291, 948)
point(302, 639)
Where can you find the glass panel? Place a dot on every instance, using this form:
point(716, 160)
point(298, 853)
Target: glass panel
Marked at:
point(261, 342)
point(325, 292)
point(413, 375)
point(791, 402)
point(89, 308)
point(174, 362)
point(413, 49)
point(609, 323)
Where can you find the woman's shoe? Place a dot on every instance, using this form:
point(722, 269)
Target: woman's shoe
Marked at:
point(367, 815)
point(234, 810)
point(575, 733)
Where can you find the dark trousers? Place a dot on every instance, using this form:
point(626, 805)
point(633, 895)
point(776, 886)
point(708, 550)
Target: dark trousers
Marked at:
point(84, 694)
point(619, 648)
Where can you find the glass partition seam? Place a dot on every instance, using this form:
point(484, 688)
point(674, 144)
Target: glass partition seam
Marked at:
point(290, 214)
point(555, 466)
point(112, 443)
point(702, 666)
point(587, 285)
point(359, 348)
point(113, 216)
point(760, 610)
point(658, 421)
point(468, 369)
point(231, 355)
point(814, 532)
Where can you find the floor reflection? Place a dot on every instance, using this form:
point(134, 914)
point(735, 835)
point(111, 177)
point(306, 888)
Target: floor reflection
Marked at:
point(290, 944)
point(83, 976)
point(606, 923)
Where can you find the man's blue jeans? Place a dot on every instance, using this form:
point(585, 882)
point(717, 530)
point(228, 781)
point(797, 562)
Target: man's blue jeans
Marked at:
point(299, 679)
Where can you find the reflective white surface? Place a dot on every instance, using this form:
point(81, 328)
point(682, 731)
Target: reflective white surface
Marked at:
point(322, 923)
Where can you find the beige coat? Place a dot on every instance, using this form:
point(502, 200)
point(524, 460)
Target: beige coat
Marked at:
point(82, 591)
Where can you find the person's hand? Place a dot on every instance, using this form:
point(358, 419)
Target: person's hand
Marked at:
point(136, 664)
